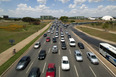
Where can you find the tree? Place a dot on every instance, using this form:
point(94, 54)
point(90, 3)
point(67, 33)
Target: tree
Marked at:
point(64, 18)
point(105, 26)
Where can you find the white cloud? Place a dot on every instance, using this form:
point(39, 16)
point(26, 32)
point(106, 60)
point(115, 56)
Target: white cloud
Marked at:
point(1, 10)
point(42, 1)
point(4, 0)
point(64, 1)
point(83, 7)
point(111, 0)
point(95, 0)
point(76, 2)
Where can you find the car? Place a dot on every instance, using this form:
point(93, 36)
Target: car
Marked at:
point(35, 72)
point(55, 49)
point(65, 63)
point(48, 31)
point(62, 35)
point(63, 46)
point(48, 39)
point(67, 32)
point(22, 64)
point(72, 42)
point(56, 36)
point(45, 35)
point(37, 45)
point(69, 36)
point(54, 40)
point(81, 46)
point(91, 56)
point(51, 71)
point(62, 40)
point(78, 55)
point(42, 55)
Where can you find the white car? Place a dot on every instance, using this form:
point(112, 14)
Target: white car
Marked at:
point(37, 45)
point(62, 40)
point(78, 55)
point(56, 36)
point(65, 63)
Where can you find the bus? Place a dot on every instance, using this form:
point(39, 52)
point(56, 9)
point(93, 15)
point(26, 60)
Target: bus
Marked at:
point(108, 51)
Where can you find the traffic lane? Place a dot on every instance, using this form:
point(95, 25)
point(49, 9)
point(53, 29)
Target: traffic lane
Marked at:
point(97, 72)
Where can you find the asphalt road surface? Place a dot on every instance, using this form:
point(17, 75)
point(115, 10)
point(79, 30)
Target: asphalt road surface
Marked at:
point(78, 69)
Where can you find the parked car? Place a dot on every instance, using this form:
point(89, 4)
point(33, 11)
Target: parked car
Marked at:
point(45, 35)
point(54, 40)
point(22, 64)
point(48, 39)
point(51, 71)
point(78, 55)
point(91, 56)
point(63, 46)
point(42, 54)
point(62, 40)
point(81, 46)
point(35, 72)
point(37, 45)
point(55, 49)
point(65, 63)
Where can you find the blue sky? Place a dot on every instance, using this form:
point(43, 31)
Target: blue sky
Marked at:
point(57, 8)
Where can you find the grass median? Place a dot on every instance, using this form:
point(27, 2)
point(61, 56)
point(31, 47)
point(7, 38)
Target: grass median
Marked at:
point(100, 34)
point(7, 64)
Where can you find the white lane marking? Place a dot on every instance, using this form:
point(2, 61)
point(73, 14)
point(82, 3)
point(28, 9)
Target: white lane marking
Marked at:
point(44, 42)
point(70, 51)
point(44, 67)
point(59, 71)
point(49, 50)
point(93, 71)
point(76, 71)
point(51, 42)
point(39, 50)
point(29, 68)
point(59, 51)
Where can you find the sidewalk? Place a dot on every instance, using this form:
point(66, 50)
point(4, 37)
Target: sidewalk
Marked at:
point(113, 32)
point(4, 56)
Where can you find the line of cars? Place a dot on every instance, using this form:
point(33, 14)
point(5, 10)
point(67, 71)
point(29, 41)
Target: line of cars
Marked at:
point(65, 65)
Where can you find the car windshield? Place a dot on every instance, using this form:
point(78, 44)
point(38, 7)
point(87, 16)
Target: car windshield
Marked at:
point(94, 57)
point(50, 69)
point(78, 54)
point(33, 74)
point(65, 62)
point(72, 41)
point(37, 44)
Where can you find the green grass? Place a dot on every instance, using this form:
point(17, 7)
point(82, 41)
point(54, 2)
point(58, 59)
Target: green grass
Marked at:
point(101, 34)
point(18, 36)
point(18, 54)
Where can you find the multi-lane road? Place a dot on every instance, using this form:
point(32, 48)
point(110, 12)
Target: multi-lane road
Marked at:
point(78, 69)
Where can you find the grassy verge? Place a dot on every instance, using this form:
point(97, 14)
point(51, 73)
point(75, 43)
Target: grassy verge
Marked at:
point(101, 34)
point(7, 64)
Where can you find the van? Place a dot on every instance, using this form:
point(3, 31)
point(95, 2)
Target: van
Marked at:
point(72, 42)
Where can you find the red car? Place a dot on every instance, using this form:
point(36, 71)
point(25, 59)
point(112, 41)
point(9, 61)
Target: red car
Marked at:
point(51, 71)
point(48, 39)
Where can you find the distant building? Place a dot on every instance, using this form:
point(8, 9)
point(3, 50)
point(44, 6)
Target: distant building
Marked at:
point(5, 16)
point(77, 17)
point(107, 18)
point(47, 17)
point(92, 18)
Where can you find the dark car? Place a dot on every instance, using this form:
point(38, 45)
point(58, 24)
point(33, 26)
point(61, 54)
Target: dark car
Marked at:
point(45, 35)
point(63, 45)
point(22, 64)
point(42, 54)
point(54, 40)
point(35, 72)
point(69, 36)
point(81, 46)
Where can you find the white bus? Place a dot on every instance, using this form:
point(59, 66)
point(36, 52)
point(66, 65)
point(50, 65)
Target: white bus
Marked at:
point(108, 51)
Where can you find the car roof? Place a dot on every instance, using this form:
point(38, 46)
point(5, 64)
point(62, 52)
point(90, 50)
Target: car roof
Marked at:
point(91, 53)
point(65, 58)
point(51, 65)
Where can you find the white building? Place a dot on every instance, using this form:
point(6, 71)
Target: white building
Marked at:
point(107, 18)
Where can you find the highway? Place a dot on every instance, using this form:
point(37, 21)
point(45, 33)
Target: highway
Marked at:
point(78, 69)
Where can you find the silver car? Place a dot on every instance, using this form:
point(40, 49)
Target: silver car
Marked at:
point(78, 55)
point(55, 49)
point(91, 56)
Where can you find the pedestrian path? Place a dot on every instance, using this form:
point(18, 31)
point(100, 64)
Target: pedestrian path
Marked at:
point(4, 56)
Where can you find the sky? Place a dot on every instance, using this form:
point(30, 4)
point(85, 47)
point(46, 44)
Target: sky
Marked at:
point(57, 8)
